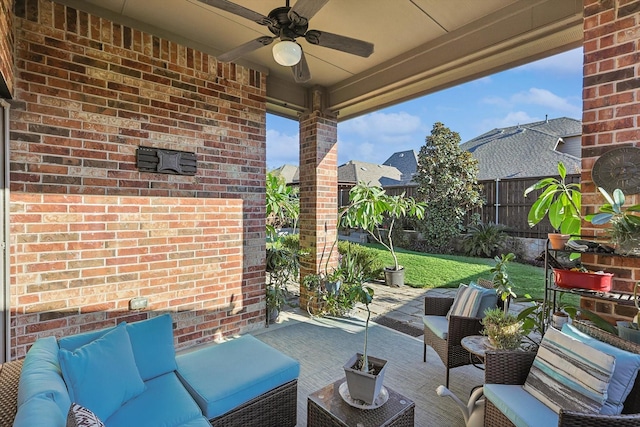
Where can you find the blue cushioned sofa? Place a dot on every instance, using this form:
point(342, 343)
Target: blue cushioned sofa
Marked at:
point(129, 375)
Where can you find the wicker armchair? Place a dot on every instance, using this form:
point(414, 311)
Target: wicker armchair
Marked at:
point(450, 350)
point(512, 367)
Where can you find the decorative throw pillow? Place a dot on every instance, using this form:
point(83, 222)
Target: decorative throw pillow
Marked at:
point(568, 374)
point(102, 375)
point(466, 302)
point(79, 416)
point(624, 374)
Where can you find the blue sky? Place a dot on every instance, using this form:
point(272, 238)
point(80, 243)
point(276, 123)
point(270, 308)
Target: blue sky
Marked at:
point(551, 86)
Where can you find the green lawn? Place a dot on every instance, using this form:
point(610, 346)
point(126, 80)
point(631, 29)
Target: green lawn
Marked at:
point(431, 271)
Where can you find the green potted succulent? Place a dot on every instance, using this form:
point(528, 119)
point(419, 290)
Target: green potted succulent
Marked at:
point(560, 202)
point(625, 222)
point(504, 330)
point(369, 207)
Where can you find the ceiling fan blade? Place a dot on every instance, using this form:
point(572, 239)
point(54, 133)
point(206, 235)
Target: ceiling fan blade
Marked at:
point(303, 10)
point(236, 9)
point(301, 73)
point(245, 48)
point(337, 42)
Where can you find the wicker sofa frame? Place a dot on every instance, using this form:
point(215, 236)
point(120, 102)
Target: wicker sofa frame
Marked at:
point(277, 407)
point(450, 350)
point(512, 367)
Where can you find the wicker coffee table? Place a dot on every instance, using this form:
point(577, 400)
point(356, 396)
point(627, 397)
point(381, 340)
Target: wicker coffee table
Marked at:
point(325, 408)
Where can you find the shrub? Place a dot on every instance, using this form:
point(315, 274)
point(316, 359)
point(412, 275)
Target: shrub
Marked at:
point(486, 240)
point(365, 259)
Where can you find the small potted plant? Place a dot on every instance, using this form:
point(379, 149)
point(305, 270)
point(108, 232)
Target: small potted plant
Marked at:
point(625, 223)
point(630, 330)
point(364, 373)
point(561, 202)
point(504, 330)
point(368, 208)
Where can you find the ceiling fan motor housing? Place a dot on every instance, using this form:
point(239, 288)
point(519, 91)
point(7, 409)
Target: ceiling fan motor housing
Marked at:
point(283, 27)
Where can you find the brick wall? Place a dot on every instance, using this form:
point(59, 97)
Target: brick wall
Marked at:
point(6, 49)
point(89, 231)
point(318, 189)
point(611, 108)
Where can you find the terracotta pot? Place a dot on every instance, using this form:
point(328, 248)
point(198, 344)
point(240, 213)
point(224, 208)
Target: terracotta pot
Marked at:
point(557, 240)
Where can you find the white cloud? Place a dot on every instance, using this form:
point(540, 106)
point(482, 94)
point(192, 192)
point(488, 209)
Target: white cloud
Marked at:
point(545, 98)
point(511, 119)
point(282, 149)
point(569, 62)
point(382, 124)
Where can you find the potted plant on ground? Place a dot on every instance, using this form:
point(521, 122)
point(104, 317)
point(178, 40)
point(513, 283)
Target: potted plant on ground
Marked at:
point(630, 330)
point(368, 208)
point(625, 223)
point(364, 373)
point(561, 202)
point(282, 266)
point(504, 330)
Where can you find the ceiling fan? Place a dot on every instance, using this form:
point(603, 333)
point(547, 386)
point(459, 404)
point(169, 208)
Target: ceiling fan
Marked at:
point(287, 24)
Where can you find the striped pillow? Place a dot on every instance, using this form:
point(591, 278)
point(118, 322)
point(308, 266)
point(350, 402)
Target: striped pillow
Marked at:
point(569, 374)
point(466, 302)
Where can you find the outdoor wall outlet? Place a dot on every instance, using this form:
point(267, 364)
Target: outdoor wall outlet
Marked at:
point(138, 303)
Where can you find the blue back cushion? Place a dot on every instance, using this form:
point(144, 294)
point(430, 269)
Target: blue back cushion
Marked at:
point(102, 375)
point(489, 299)
point(624, 374)
point(152, 343)
point(41, 376)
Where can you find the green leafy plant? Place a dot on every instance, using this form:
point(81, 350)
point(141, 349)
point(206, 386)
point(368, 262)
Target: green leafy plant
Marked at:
point(282, 204)
point(484, 239)
point(282, 266)
point(447, 180)
point(625, 223)
point(361, 293)
point(369, 207)
point(501, 280)
point(504, 330)
point(559, 200)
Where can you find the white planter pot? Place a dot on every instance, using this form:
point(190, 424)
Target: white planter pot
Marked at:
point(363, 385)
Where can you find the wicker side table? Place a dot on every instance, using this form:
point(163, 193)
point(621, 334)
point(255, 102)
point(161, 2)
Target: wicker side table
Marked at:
point(325, 408)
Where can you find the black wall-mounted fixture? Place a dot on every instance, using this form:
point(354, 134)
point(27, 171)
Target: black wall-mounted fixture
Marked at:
point(173, 162)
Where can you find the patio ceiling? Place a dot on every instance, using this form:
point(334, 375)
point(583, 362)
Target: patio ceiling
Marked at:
point(421, 46)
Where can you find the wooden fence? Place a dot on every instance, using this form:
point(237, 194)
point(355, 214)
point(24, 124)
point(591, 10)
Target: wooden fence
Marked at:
point(504, 204)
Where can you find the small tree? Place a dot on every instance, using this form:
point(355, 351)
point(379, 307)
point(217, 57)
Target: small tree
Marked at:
point(370, 206)
point(447, 180)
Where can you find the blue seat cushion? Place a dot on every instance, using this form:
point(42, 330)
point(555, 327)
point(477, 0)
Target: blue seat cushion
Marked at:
point(39, 411)
point(624, 372)
point(224, 376)
point(152, 344)
point(102, 375)
point(164, 403)
point(521, 408)
point(41, 375)
point(489, 298)
point(439, 325)
point(151, 341)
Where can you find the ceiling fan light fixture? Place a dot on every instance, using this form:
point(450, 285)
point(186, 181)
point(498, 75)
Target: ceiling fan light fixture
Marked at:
point(287, 53)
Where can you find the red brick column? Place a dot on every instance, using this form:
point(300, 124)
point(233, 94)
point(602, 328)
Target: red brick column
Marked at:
point(611, 113)
point(6, 49)
point(318, 189)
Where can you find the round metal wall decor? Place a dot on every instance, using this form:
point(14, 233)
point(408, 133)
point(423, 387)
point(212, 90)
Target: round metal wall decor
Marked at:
point(618, 168)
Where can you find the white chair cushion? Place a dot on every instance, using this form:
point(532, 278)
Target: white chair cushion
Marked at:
point(439, 325)
point(521, 408)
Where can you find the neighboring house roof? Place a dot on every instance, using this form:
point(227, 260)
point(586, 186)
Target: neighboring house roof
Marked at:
point(290, 173)
point(371, 173)
point(528, 150)
point(406, 162)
